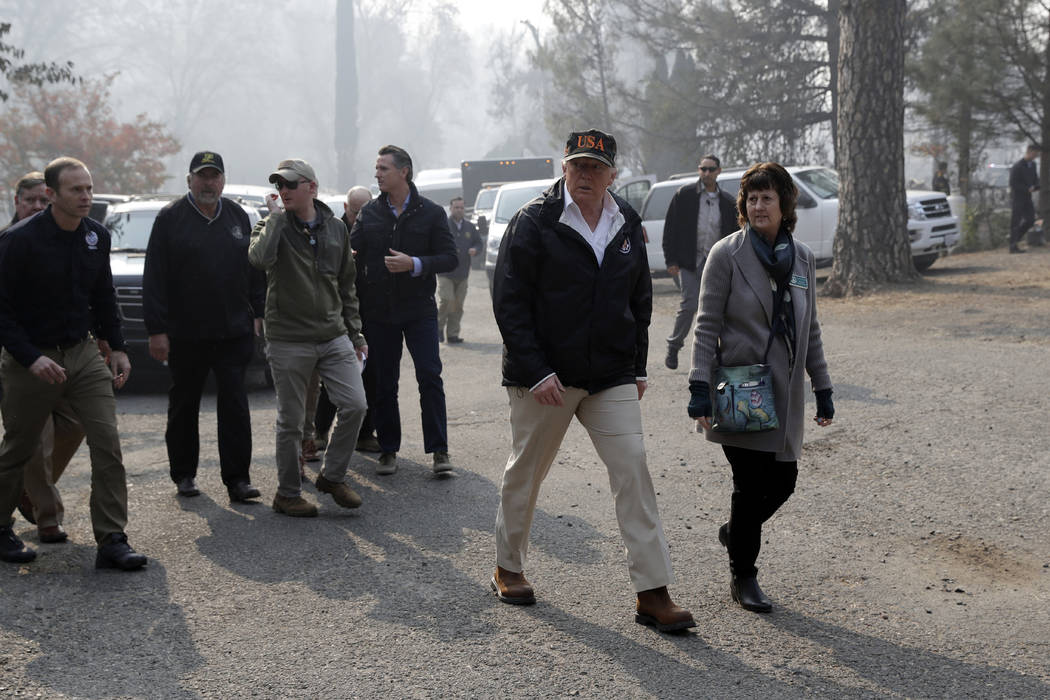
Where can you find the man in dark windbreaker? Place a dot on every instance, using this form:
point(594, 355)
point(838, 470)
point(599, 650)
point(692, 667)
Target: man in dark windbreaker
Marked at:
point(402, 241)
point(203, 307)
point(573, 298)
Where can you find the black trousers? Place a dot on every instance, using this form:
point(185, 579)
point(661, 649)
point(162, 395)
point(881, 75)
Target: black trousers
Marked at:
point(761, 485)
point(189, 362)
point(1022, 216)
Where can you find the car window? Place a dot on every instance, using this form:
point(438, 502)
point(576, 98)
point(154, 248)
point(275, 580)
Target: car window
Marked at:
point(824, 182)
point(441, 195)
point(656, 203)
point(510, 201)
point(485, 198)
point(131, 229)
point(635, 193)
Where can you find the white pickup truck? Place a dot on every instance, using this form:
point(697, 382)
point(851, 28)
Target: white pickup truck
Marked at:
point(932, 229)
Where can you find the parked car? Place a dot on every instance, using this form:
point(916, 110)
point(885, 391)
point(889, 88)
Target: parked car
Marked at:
point(509, 199)
point(932, 229)
point(130, 224)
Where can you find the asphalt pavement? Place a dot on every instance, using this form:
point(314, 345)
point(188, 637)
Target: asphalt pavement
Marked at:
point(911, 562)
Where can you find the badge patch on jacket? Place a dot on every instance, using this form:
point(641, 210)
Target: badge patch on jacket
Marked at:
point(799, 281)
point(626, 247)
point(92, 240)
point(236, 232)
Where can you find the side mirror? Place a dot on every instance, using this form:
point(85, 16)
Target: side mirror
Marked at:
point(805, 201)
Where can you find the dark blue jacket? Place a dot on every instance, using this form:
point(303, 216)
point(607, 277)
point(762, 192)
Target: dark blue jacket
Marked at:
point(420, 231)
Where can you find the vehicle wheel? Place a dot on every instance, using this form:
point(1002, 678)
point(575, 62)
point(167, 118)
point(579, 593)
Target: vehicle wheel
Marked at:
point(923, 262)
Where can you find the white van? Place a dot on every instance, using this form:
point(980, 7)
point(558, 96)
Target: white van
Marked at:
point(932, 229)
point(509, 199)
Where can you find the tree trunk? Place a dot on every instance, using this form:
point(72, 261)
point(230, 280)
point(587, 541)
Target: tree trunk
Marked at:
point(871, 244)
point(1044, 135)
point(833, 70)
point(345, 95)
point(964, 142)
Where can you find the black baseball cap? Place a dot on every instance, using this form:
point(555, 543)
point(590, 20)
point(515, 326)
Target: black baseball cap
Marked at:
point(206, 159)
point(591, 144)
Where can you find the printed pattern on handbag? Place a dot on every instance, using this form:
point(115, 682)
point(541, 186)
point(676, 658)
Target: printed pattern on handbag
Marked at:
point(743, 399)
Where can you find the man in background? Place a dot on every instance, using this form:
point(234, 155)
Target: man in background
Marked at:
point(1024, 180)
point(452, 286)
point(699, 214)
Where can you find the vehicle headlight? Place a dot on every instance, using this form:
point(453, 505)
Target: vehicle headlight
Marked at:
point(916, 212)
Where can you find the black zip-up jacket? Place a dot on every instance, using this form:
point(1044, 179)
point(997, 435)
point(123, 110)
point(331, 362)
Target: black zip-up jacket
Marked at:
point(55, 287)
point(465, 240)
point(422, 232)
point(679, 241)
point(197, 283)
point(559, 311)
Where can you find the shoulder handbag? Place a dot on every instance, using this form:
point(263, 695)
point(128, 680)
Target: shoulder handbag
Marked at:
point(743, 396)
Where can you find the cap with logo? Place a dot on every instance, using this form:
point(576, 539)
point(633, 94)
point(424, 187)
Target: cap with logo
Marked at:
point(292, 169)
point(206, 159)
point(591, 144)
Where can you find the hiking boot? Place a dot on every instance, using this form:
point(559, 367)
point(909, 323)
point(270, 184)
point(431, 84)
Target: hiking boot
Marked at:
point(295, 506)
point(343, 494)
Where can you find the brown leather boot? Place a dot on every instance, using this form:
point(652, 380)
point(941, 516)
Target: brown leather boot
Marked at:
point(656, 609)
point(511, 587)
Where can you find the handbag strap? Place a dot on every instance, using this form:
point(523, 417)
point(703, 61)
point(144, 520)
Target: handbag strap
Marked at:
point(765, 355)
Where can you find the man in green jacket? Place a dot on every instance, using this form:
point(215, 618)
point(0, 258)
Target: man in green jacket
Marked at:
point(312, 321)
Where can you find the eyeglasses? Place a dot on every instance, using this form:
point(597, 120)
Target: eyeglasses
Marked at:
point(285, 185)
point(705, 169)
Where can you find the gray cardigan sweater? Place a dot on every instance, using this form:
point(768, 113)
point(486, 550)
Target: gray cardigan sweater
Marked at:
point(736, 307)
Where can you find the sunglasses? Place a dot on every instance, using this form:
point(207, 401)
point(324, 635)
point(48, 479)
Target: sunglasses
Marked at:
point(285, 185)
point(705, 169)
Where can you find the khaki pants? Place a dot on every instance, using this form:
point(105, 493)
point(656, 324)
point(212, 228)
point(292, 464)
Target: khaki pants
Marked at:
point(59, 441)
point(292, 364)
point(452, 294)
point(614, 422)
point(88, 391)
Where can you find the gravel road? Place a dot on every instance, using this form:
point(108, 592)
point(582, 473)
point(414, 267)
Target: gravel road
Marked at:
point(912, 561)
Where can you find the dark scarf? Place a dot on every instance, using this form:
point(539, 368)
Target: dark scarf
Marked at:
point(778, 261)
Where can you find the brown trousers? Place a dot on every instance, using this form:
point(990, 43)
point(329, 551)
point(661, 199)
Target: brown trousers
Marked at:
point(59, 441)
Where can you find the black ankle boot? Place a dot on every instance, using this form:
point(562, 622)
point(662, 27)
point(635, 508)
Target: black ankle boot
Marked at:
point(746, 592)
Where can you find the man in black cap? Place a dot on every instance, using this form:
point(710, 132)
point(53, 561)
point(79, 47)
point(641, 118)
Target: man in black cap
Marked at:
point(573, 298)
point(203, 306)
point(55, 291)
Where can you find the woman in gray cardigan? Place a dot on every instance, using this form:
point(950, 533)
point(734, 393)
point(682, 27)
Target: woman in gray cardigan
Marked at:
point(758, 305)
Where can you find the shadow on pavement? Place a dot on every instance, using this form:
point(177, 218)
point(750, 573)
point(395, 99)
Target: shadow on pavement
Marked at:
point(70, 612)
point(907, 671)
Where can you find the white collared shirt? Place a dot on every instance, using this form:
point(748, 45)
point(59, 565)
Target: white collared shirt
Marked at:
point(609, 223)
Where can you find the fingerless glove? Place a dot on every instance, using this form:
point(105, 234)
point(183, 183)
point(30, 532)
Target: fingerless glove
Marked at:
point(825, 406)
point(700, 399)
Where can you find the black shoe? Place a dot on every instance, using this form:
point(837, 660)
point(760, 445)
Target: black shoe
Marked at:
point(114, 552)
point(187, 487)
point(242, 491)
point(453, 339)
point(1015, 249)
point(13, 549)
point(723, 534)
point(671, 361)
point(746, 592)
point(25, 507)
